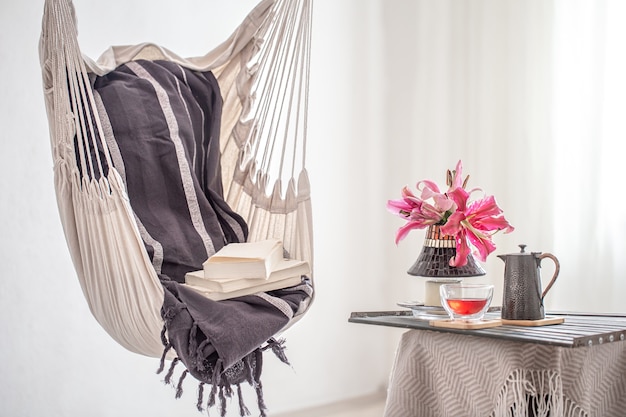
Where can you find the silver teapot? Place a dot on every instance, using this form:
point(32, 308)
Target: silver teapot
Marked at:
point(522, 298)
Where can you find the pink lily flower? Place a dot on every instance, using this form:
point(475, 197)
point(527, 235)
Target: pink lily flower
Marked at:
point(474, 224)
point(418, 213)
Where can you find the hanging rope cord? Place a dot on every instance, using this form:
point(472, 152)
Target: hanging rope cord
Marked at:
point(71, 74)
point(285, 60)
point(271, 131)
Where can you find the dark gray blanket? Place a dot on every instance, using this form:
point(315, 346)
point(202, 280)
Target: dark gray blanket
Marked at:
point(162, 125)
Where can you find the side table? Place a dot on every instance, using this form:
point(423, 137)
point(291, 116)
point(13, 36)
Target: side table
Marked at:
point(577, 368)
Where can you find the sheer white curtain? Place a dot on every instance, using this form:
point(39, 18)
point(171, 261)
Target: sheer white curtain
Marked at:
point(530, 95)
point(470, 80)
point(589, 130)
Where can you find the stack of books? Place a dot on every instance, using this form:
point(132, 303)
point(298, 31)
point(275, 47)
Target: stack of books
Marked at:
point(247, 268)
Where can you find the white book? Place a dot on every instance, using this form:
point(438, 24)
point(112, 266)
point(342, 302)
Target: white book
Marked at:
point(262, 286)
point(285, 268)
point(244, 260)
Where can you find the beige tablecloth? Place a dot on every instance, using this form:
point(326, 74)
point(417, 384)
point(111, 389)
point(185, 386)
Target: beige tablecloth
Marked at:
point(445, 374)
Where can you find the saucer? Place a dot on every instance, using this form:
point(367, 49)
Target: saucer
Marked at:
point(424, 312)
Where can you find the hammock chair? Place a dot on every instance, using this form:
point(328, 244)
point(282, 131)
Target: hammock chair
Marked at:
point(159, 161)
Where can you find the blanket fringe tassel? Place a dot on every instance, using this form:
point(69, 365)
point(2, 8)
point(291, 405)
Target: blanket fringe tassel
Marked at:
point(278, 348)
point(170, 372)
point(200, 396)
point(535, 393)
point(243, 410)
point(221, 388)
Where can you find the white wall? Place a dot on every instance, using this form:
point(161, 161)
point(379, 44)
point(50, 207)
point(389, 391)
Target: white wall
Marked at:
point(56, 361)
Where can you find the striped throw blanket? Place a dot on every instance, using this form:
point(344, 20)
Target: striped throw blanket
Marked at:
point(162, 124)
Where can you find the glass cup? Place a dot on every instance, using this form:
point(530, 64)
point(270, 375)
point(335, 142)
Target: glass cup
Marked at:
point(467, 302)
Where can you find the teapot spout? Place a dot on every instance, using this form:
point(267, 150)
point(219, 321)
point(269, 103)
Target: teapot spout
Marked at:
point(503, 257)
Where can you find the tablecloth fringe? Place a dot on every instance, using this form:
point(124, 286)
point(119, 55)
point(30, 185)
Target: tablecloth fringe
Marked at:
point(537, 390)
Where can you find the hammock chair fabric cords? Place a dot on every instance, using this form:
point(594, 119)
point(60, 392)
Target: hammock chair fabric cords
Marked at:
point(188, 143)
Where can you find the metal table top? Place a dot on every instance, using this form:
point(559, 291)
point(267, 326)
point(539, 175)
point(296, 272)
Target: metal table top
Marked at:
point(578, 329)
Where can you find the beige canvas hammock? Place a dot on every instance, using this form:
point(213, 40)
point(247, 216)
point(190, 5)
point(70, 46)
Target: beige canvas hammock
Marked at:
point(262, 72)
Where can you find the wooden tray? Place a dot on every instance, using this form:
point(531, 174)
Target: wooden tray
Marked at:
point(534, 323)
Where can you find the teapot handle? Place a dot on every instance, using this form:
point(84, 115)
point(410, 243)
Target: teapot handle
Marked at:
point(556, 271)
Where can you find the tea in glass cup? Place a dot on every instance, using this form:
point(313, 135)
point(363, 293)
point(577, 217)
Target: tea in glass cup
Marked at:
point(466, 301)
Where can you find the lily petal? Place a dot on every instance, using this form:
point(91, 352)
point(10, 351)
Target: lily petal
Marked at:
point(483, 245)
point(444, 203)
point(462, 251)
point(406, 192)
point(457, 179)
point(397, 205)
point(453, 225)
point(485, 215)
point(460, 197)
point(493, 224)
point(428, 186)
point(404, 230)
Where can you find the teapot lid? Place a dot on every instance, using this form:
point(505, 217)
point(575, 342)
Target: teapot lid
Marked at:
point(523, 251)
